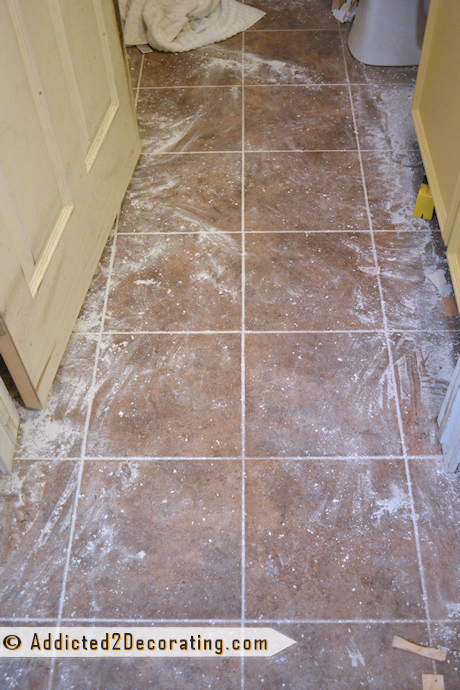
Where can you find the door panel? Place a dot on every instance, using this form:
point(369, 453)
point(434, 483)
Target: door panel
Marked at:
point(436, 107)
point(68, 146)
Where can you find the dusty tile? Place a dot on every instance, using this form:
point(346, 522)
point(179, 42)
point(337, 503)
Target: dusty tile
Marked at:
point(190, 119)
point(340, 656)
point(167, 395)
point(424, 366)
point(359, 73)
point(319, 394)
point(304, 191)
point(393, 181)
point(447, 635)
point(219, 64)
point(26, 674)
point(89, 319)
point(36, 506)
point(173, 283)
point(293, 57)
point(411, 299)
point(301, 281)
point(134, 64)
point(169, 193)
point(384, 119)
point(298, 117)
point(57, 429)
point(180, 674)
point(294, 14)
point(437, 503)
point(157, 540)
point(330, 539)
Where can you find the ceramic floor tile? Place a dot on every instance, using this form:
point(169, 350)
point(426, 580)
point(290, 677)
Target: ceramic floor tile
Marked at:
point(134, 63)
point(447, 634)
point(90, 317)
point(290, 284)
point(26, 674)
point(319, 394)
point(36, 505)
point(199, 193)
point(219, 64)
point(173, 283)
point(157, 540)
point(359, 73)
point(294, 14)
point(298, 118)
point(330, 539)
point(195, 119)
point(424, 365)
point(437, 504)
point(338, 656)
point(411, 299)
point(393, 181)
point(57, 430)
point(293, 57)
point(167, 395)
point(304, 191)
point(100, 674)
point(383, 115)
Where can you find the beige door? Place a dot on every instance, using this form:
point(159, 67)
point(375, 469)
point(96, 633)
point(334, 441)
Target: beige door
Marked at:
point(436, 111)
point(68, 145)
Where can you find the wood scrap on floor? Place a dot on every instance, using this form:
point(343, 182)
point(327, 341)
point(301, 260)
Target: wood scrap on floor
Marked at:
point(432, 682)
point(430, 652)
point(450, 306)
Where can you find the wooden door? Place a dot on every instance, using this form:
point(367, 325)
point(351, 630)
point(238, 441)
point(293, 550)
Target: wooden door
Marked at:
point(436, 109)
point(68, 145)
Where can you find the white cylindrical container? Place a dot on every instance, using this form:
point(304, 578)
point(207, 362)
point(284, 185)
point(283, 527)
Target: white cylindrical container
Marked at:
point(388, 32)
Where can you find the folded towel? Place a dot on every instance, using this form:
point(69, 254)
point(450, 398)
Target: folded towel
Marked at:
point(178, 25)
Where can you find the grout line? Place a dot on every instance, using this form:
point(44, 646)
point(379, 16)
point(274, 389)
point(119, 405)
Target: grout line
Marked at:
point(172, 233)
point(351, 231)
point(218, 458)
point(341, 84)
point(233, 621)
point(248, 621)
point(305, 332)
point(187, 87)
point(155, 152)
point(392, 369)
point(391, 330)
point(251, 332)
point(200, 458)
point(83, 449)
point(139, 79)
point(266, 31)
point(243, 359)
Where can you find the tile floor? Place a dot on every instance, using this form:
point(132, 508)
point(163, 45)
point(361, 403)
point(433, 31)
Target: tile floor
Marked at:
point(244, 425)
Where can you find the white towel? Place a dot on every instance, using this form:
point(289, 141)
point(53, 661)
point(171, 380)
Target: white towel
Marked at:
point(178, 25)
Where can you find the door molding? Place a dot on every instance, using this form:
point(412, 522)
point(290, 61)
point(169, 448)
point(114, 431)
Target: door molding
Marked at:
point(9, 426)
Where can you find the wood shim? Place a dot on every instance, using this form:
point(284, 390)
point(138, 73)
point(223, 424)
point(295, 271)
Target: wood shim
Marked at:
point(450, 306)
point(430, 652)
point(432, 682)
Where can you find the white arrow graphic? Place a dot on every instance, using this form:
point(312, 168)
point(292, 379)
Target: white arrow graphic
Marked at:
point(141, 642)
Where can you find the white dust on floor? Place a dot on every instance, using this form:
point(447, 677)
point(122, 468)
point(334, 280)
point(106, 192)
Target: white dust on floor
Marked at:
point(57, 429)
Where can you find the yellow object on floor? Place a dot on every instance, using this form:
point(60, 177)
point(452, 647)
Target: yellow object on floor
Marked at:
point(424, 206)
